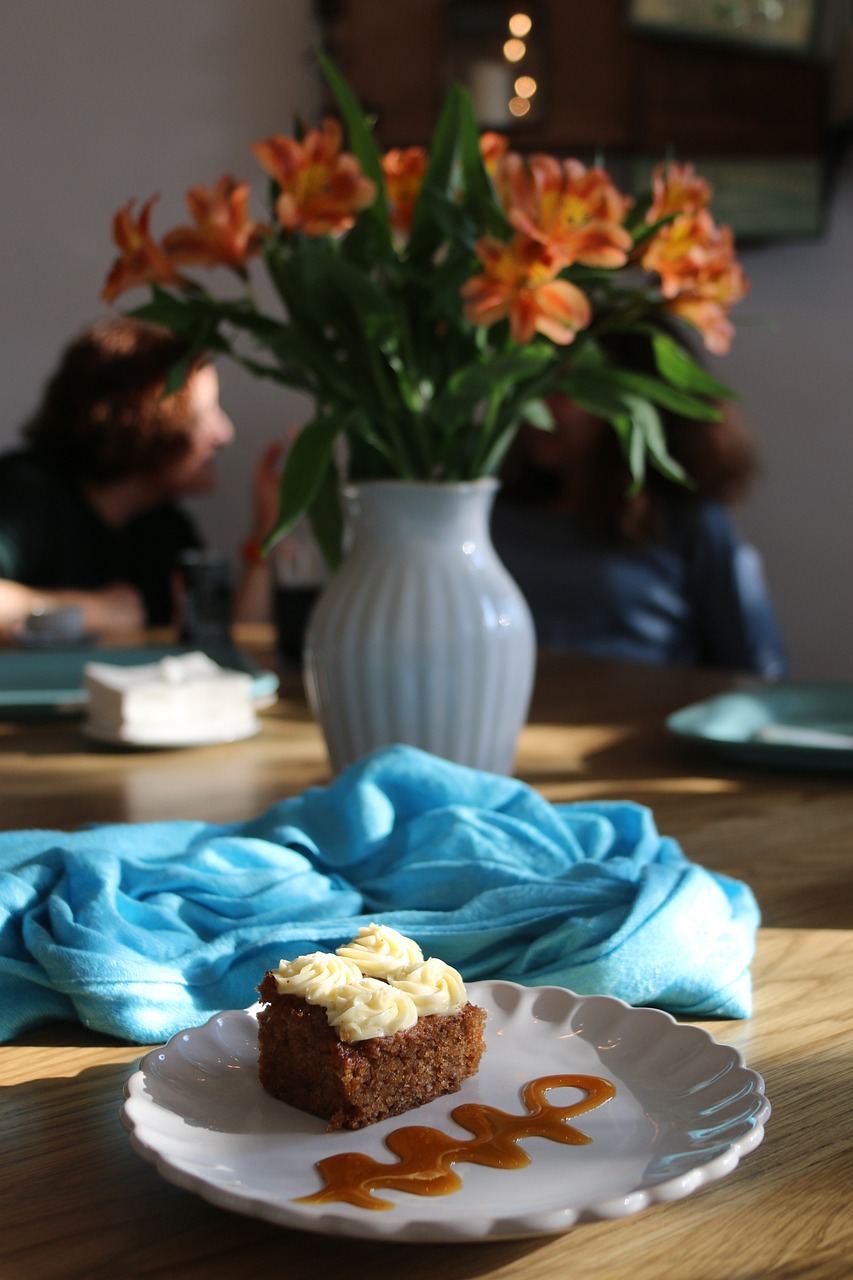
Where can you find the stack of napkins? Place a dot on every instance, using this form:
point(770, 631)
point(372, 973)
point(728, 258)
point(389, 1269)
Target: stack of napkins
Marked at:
point(185, 698)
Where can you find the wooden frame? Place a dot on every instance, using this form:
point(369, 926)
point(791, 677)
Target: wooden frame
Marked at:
point(763, 198)
point(781, 26)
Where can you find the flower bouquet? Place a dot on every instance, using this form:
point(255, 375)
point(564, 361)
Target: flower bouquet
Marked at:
point(431, 301)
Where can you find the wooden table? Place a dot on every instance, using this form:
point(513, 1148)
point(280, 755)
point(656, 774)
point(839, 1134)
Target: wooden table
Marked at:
point(596, 729)
point(75, 1201)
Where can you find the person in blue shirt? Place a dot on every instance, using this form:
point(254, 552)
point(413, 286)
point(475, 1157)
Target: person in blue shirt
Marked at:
point(661, 576)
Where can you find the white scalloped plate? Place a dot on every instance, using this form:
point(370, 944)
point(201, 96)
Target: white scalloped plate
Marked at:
point(162, 742)
point(686, 1110)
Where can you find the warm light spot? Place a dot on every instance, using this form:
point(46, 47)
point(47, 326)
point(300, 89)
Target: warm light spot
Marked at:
point(519, 106)
point(525, 86)
point(520, 24)
point(514, 50)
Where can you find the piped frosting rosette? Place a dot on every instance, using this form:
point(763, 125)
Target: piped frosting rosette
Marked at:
point(380, 951)
point(375, 985)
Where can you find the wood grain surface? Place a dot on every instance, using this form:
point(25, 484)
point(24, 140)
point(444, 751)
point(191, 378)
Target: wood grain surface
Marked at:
point(76, 1201)
point(596, 729)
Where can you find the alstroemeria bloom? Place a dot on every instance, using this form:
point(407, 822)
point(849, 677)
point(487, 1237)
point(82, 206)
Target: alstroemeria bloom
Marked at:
point(493, 147)
point(223, 235)
point(321, 187)
point(700, 276)
point(518, 282)
point(677, 188)
point(140, 260)
point(706, 304)
point(575, 211)
point(685, 247)
point(404, 170)
point(709, 318)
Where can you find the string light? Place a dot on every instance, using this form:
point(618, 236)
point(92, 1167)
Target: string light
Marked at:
point(519, 106)
point(514, 50)
point(520, 24)
point(525, 86)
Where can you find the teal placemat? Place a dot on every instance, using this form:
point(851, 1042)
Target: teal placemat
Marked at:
point(50, 682)
point(797, 726)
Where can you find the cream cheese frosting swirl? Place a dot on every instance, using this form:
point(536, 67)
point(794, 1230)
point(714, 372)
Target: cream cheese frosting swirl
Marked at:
point(380, 951)
point(367, 1009)
point(316, 977)
point(435, 987)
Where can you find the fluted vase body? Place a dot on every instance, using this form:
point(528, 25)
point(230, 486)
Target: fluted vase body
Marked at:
point(421, 637)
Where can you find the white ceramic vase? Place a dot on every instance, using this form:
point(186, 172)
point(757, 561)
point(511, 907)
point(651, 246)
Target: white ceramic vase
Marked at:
point(421, 637)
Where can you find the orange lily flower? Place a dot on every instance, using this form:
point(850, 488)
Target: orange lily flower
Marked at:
point(140, 260)
point(223, 235)
point(689, 246)
point(700, 277)
point(322, 188)
point(576, 211)
point(707, 302)
point(677, 188)
point(680, 250)
point(493, 147)
point(709, 318)
point(404, 169)
point(518, 282)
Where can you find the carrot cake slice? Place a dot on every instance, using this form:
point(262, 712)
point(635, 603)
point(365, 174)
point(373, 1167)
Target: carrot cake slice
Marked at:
point(368, 1032)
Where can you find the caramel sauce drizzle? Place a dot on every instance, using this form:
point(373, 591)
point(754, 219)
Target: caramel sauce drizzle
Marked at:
point(424, 1155)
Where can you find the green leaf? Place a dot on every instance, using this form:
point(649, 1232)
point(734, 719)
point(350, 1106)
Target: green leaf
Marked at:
point(634, 418)
point(647, 434)
point(371, 312)
point(666, 395)
point(635, 453)
point(538, 414)
point(361, 140)
point(645, 231)
point(498, 451)
point(679, 368)
point(371, 236)
point(304, 472)
point(434, 203)
point(286, 375)
point(195, 319)
point(444, 143)
point(655, 441)
point(596, 393)
point(478, 194)
point(327, 518)
point(488, 378)
point(179, 372)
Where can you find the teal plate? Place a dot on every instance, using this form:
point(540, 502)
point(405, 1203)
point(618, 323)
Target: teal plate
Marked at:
point(795, 726)
point(49, 682)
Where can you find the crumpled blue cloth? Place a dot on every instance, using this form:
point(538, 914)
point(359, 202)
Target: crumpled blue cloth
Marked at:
point(141, 930)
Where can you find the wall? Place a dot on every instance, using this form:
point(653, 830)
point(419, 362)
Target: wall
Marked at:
point(792, 362)
point(103, 100)
point(107, 99)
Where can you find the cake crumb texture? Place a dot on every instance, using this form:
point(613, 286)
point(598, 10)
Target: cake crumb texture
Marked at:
point(303, 1062)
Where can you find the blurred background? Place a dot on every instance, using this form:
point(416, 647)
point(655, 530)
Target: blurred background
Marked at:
point(104, 100)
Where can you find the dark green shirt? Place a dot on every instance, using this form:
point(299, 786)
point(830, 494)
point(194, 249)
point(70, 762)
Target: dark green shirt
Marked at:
point(50, 537)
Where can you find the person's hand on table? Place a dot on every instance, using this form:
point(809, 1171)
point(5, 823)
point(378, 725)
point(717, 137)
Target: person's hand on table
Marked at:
point(118, 607)
point(115, 608)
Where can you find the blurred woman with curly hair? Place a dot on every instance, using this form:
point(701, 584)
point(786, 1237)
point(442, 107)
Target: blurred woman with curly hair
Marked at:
point(660, 575)
point(88, 507)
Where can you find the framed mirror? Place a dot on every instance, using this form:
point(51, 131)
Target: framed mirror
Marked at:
point(783, 26)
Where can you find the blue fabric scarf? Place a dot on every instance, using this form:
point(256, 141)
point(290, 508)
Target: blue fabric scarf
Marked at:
point(143, 930)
